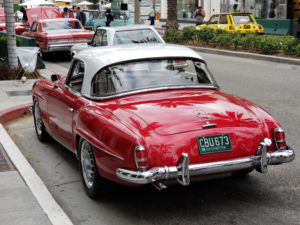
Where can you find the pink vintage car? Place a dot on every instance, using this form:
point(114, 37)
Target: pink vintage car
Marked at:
point(53, 33)
point(145, 113)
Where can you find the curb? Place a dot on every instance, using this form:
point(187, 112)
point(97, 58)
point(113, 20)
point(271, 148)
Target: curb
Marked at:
point(48, 204)
point(14, 112)
point(269, 58)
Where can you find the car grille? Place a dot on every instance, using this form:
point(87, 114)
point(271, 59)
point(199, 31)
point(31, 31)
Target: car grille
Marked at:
point(247, 26)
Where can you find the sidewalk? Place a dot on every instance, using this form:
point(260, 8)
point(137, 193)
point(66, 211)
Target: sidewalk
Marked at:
point(23, 196)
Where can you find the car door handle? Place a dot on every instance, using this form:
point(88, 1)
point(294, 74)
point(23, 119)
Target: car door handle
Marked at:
point(71, 109)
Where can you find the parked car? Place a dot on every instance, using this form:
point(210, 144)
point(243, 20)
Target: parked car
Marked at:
point(57, 35)
point(106, 36)
point(121, 18)
point(20, 27)
point(149, 114)
point(234, 22)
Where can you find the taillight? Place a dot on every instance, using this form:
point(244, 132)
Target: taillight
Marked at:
point(232, 27)
point(279, 138)
point(140, 158)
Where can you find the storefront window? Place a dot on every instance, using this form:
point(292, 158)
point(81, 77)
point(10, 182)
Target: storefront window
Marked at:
point(267, 9)
point(186, 9)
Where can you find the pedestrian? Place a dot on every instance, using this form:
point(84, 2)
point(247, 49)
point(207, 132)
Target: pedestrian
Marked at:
point(199, 14)
point(80, 16)
point(25, 18)
point(74, 11)
point(152, 16)
point(108, 18)
point(67, 14)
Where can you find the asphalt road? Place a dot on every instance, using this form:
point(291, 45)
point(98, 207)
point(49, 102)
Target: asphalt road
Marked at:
point(273, 198)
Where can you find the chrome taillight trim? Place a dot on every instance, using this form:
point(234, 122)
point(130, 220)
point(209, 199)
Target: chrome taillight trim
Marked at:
point(278, 130)
point(140, 148)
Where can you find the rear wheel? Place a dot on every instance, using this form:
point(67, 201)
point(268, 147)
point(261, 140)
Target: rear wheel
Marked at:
point(38, 122)
point(94, 184)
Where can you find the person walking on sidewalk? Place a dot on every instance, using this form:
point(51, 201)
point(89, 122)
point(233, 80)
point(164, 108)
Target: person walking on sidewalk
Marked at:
point(152, 16)
point(199, 14)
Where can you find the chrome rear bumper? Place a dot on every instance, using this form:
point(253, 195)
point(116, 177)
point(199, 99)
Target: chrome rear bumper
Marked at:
point(184, 170)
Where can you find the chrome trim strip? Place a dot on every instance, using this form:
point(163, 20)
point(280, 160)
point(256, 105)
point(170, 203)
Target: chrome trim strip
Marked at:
point(151, 89)
point(259, 162)
point(101, 149)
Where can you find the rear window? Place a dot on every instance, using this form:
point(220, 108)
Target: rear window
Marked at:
point(136, 36)
point(242, 19)
point(61, 25)
point(149, 74)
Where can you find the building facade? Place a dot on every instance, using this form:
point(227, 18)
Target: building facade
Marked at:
point(264, 9)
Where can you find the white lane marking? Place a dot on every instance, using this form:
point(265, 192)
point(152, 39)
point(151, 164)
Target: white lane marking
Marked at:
point(51, 208)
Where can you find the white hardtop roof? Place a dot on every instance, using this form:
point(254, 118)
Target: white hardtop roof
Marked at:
point(131, 27)
point(99, 57)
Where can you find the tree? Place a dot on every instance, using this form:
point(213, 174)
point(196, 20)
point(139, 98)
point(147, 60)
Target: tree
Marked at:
point(11, 34)
point(172, 22)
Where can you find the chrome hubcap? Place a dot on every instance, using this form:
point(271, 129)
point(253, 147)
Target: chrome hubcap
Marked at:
point(87, 164)
point(37, 117)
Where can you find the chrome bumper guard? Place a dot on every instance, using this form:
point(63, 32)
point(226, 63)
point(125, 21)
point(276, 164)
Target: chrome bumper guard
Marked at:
point(184, 170)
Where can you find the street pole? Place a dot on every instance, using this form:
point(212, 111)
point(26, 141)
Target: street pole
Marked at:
point(11, 34)
point(137, 12)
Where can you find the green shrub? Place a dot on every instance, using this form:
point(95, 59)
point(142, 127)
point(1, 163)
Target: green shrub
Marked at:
point(297, 50)
point(289, 44)
point(250, 42)
point(188, 33)
point(173, 36)
point(223, 40)
point(269, 45)
point(3, 47)
point(236, 39)
point(206, 34)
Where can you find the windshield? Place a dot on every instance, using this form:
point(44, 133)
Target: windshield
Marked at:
point(118, 15)
point(149, 74)
point(242, 19)
point(61, 25)
point(136, 36)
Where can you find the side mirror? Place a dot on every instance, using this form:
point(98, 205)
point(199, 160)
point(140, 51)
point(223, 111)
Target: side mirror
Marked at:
point(54, 77)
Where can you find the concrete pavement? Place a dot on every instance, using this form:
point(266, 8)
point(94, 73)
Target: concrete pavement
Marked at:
point(23, 196)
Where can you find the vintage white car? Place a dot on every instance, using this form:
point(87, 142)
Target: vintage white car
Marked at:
point(107, 36)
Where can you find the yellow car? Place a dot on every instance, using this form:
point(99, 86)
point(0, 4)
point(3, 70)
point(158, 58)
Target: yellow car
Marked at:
point(233, 22)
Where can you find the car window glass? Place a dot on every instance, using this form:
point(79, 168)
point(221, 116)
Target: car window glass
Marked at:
point(214, 20)
point(147, 74)
point(223, 19)
point(104, 38)
point(75, 78)
point(242, 19)
point(136, 36)
point(34, 27)
point(61, 25)
point(97, 38)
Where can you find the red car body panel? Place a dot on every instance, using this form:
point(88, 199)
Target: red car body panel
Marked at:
point(151, 119)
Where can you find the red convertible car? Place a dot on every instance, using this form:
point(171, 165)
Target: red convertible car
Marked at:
point(143, 114)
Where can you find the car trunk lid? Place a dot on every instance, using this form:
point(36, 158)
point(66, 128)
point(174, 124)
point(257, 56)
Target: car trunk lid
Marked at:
point(183, 111)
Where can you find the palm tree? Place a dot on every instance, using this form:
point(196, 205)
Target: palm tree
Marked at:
point(172, 22)
point(11, 34)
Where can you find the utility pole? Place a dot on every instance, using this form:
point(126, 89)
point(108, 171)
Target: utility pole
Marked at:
point(137, 12)
point(11, 34)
